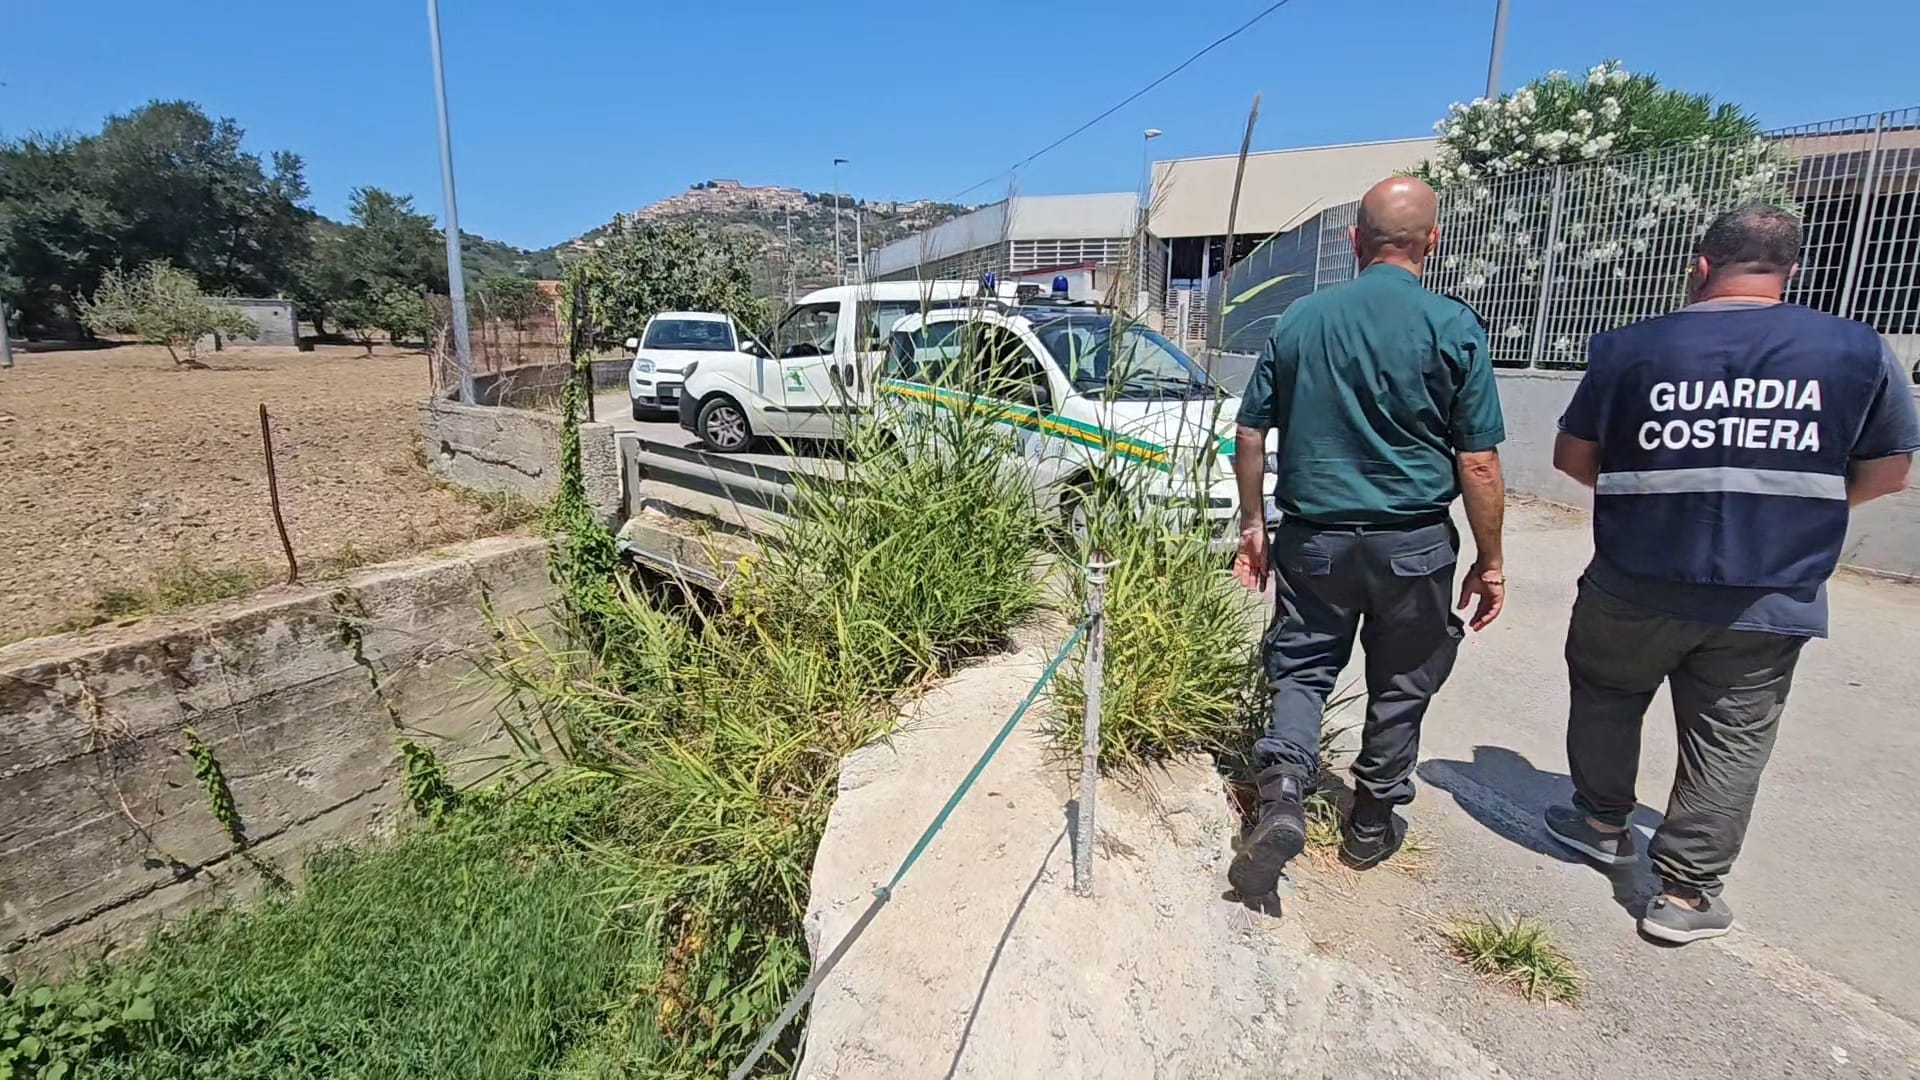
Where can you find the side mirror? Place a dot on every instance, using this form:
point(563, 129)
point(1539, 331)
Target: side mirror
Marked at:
point(752, 347)
point(633, 344)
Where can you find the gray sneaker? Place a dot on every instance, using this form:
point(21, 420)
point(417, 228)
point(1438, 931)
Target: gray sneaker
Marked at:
point(1671, 922)
point(1569, 825)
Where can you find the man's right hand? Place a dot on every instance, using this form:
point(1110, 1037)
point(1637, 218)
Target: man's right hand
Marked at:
point(1250, 563)
point(1489, 583)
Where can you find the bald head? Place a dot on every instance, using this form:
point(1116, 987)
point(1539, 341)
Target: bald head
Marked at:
point(1396, 222)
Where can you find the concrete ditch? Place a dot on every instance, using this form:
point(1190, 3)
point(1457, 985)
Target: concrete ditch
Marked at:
point(300, 691)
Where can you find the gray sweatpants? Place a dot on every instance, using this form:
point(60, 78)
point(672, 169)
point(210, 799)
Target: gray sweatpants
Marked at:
point(1729, 689)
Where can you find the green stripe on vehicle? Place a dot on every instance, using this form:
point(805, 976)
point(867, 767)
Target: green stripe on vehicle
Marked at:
point(1030, 419)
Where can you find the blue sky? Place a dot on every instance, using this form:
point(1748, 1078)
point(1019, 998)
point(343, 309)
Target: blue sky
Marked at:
point(565, 111)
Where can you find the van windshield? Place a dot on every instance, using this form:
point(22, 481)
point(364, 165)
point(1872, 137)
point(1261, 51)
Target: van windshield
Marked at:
point(1106, 358)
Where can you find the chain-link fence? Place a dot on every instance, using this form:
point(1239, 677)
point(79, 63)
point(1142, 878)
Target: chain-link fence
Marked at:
point(1553, 256)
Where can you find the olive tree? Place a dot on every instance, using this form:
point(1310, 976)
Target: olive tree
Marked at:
point(161, 304)
point(640, 268)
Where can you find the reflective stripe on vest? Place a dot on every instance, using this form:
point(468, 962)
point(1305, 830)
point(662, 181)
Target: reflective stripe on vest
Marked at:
point(1801, 485)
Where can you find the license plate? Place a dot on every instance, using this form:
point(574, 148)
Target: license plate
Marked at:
point(669, 395)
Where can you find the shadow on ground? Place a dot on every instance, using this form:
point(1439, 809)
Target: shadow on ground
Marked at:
point(1507, 794)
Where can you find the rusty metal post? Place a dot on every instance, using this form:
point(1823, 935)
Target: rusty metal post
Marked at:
point(273, 496)
point(1091, 677)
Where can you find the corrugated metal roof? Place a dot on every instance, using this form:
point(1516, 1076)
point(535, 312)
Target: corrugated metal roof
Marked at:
point(1281, 189)
point(1020, 217)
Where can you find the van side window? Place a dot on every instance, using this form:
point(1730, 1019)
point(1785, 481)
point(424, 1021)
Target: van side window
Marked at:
point(808, 330)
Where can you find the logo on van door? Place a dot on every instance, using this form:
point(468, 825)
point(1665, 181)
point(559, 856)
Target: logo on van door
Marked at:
point(795, 382)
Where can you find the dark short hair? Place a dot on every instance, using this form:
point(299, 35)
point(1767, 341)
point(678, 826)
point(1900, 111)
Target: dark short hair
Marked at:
point(1757, 238)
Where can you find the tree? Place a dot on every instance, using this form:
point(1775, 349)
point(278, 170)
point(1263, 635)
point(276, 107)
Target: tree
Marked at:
point(392, 244)
point(163, 305)
point(646, 267)
point(163, 182)
point(514, 300)
point(1588, 188)
point(402, 313)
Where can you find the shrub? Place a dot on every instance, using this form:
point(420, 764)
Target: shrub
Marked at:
point(163, 305)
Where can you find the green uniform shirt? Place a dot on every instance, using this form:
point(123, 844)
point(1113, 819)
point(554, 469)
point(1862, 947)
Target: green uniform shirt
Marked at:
point(1374, 385)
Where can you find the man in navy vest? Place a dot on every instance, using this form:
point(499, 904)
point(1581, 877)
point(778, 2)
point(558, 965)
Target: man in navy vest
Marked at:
point(1725, 444)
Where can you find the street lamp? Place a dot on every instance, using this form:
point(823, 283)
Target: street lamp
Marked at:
point(456, 278)
point(1499, 46)
point(839, 264)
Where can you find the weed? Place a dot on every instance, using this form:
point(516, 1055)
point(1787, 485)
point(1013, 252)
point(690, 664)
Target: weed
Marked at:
point(1516, 950)
point(723, 738)
point(213, 784)
point(499, 511)
point(428, 791)
point(182, 583)
point(52, 1032)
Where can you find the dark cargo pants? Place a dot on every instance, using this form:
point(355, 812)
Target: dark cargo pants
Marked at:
point(1729, 689)
point(1393, 587)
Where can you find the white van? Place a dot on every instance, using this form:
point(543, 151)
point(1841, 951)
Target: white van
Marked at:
point(1080, 394)
point(821, 363)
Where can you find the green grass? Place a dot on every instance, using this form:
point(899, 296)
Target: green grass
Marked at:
point(1517, 951)
point(476, 950)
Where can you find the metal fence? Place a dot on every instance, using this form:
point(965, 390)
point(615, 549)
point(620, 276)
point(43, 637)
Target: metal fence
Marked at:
point(1553, 256)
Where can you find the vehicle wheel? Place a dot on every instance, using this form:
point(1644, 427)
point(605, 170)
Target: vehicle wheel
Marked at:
point(722, 425)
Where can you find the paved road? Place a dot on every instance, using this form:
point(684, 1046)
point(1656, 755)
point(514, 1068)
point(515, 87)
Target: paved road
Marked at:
point(1821, 962)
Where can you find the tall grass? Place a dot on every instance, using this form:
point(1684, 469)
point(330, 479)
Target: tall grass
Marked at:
point(1179, 645)
point(1179, 632)
point(723, 736)
point(474, 950)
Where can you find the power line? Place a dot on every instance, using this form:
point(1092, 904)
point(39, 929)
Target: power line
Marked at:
point(1124, 102)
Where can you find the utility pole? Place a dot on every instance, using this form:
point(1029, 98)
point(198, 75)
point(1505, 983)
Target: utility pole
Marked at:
point(456, 280)
point(859, 250)
point(1499, 46)
point(792, 280)
point(839, 264)
point(1141, 247)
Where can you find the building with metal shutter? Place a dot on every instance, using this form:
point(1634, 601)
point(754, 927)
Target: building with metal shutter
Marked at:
point(1027, 235)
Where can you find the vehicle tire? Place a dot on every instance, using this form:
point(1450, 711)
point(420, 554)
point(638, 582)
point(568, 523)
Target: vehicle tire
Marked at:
point(722, 425)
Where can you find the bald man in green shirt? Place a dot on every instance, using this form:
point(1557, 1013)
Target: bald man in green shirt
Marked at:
point(1385, 404)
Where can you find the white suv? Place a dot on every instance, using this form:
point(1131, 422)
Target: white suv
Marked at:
point(673, 342)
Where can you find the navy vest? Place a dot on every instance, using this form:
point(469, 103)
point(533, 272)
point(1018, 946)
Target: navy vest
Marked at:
point(1725, 437)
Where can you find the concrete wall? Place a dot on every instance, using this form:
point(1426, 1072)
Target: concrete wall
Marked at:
point(491, 448)
point(538, 385)
point(1885, 535)
point(301, 693)
point(273, 321)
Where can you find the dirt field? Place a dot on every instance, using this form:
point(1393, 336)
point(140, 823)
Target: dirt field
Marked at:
point(116, 466)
